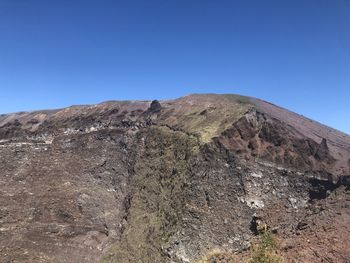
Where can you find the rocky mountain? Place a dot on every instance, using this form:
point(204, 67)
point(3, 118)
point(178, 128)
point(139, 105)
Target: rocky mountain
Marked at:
point(193, 179)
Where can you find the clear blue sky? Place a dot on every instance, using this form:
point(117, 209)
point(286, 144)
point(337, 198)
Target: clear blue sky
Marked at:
point(294, 53)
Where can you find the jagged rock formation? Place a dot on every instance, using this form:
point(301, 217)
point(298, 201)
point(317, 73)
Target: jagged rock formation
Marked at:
point(171, 181)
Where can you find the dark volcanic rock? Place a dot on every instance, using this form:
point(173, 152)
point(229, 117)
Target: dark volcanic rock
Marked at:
point(171, 181)
point(155, 106)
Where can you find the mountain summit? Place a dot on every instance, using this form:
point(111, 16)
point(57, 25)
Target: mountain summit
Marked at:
point(193, 179)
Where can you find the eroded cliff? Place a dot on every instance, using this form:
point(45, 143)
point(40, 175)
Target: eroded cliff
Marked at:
point(171, 181)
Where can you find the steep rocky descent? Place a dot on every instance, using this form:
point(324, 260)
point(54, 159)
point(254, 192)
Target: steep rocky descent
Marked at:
point(170, 181)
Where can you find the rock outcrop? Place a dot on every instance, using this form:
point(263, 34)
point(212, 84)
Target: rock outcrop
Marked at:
point(171, 181)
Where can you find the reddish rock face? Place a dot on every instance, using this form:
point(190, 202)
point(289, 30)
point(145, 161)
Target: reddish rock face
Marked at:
point(171, 181)
point(259, 136)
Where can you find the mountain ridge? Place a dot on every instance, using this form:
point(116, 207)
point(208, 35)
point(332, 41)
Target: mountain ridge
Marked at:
point(38, 111)
point(299, 125)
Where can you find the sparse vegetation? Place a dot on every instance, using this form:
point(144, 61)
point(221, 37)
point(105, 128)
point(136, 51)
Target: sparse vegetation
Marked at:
point(217, 256)
point(162, 168)
point(266, 250)
point(209, 116)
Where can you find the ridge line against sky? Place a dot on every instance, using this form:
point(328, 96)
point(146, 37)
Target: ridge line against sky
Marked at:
point(293, 53)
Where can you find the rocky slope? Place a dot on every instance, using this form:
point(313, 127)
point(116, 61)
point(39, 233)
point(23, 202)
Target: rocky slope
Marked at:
point(171, 181)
